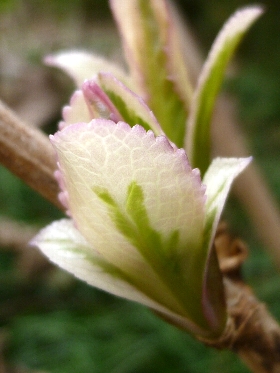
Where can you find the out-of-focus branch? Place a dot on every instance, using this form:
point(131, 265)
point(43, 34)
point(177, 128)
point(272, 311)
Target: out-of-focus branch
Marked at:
point(250, 188)
point(27, 153)
point(15, 236)
point(228, 141)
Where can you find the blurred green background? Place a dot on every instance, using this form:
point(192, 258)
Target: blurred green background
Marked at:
point(50, 322)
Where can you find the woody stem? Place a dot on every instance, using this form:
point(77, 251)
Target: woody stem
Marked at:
point(27, 153)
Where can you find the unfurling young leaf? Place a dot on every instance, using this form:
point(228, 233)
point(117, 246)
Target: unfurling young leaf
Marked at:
point(156, 63)
point(146, 217)
point(198, 137)
point(142, 222)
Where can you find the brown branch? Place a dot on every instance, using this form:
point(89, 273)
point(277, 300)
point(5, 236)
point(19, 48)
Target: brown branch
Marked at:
point(251, 331)
point(16, 236)
point(28, 154)
point(255, 335)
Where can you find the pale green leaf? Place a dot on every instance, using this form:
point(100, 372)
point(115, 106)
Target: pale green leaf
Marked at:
point(63, 244)
point(218, 179)
point(131, 107)
point(154, 56)
point(198, 141)
point(138, 202)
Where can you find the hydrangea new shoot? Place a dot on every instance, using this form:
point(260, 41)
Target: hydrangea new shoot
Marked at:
point(134, 168)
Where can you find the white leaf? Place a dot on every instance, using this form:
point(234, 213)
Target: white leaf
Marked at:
point(83, 65)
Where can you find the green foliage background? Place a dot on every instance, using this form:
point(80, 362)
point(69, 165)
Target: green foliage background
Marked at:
point(58, 324)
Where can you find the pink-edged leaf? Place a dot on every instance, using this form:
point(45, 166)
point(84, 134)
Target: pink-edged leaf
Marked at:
point(132, 107)
point(136, 199)
point(155, 62)
point(98, 102)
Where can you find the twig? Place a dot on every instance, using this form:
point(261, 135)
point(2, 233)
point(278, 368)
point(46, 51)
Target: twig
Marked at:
point(251, 331)
point(27, 153)
point(15, 236)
